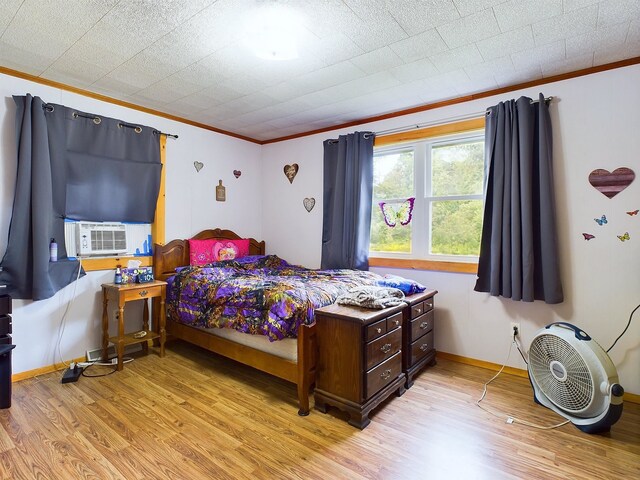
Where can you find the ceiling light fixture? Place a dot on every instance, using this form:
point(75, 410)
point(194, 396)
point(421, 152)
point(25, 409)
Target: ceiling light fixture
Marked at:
point(272, 33)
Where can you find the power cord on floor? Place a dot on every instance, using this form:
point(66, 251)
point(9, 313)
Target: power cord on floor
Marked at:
point(105, 364)
point(511, 418)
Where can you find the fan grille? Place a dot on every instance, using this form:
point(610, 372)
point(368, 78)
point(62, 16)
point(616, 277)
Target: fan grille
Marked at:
point(561, 373)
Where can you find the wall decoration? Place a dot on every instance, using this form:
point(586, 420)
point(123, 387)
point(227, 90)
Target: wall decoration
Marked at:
point(397, 213)
point(221, 192)
point(237, 173)
point(588, 236)
point(198, 165)
point(635, 212)
point(602, 220)
point(624, 237)
point(611, 183)
point(291, 171)
point(309, 203)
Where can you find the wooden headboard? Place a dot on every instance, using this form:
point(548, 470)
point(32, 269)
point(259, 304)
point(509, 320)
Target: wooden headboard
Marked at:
point(166, 258)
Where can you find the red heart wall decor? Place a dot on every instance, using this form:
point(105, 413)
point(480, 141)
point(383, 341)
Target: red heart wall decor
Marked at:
point(611, 183)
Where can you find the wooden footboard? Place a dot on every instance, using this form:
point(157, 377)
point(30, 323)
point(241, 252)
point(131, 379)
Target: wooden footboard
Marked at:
point(302, 372)
point(166, 258)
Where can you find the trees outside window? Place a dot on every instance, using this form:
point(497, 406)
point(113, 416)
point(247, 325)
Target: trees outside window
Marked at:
point(446, 178)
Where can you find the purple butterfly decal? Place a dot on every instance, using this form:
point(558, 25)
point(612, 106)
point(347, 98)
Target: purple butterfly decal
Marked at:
point(588, 236)
point(395, 213)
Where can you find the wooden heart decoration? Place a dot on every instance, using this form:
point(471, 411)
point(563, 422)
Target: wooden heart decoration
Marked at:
point(237, 173)
point(309, 203)
point(611, 183)
point(291, 171)
point(198, 166)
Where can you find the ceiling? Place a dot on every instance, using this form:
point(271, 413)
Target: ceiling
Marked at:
point(357, 58)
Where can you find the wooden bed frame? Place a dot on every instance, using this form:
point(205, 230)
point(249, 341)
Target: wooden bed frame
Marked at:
point(166, 258)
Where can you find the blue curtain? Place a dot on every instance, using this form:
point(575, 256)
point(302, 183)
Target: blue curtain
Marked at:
point(72, 165)
point(348, 190)
point(519, 245)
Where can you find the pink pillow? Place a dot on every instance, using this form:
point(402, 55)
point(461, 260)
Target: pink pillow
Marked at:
point(212, 250)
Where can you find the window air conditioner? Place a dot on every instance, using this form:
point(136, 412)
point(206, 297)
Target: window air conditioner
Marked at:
point(93, 238)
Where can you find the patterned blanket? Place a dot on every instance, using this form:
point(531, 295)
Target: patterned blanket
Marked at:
point(261, 295)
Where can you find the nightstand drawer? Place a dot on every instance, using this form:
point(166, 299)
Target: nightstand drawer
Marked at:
point(146, 292)
point(383, 348)
point(421, 347)
point(421, 325)
point(383, 374)
point(375, 330)
point(394, 321)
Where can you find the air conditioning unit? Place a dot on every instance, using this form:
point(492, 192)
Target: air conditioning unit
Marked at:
point(95, 238)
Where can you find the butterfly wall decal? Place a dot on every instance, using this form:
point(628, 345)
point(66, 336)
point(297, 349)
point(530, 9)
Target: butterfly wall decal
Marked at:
point(624, 237)
point(588, 236)
point(602, 220)
point(635, 212)
point(395, 213)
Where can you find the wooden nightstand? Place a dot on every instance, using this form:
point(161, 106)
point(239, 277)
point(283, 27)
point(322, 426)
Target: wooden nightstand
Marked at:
point(359, 359)
point(122, 294)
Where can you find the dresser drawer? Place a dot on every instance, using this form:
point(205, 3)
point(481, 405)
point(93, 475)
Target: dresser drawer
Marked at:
point(383, 374)
point(394, 321)
point(421, 347)
point(376, 329)
point(382, 348)
point(421, 325)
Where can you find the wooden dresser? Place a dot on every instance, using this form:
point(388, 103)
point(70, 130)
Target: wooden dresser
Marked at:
point(418, 347)
point(359, 359)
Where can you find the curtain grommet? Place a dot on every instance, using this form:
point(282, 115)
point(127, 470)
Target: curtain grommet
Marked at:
point(74, 114)
point(97, 120)
point(138, 129)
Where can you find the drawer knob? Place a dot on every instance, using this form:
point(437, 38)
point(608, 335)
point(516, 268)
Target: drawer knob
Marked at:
point(429, 305)
point(424, 347)
point(378, 330)
point(418, 310)
point(386, 374)
point(143, 293)
point(386, 348)
point(396, 322)
point(424, 325)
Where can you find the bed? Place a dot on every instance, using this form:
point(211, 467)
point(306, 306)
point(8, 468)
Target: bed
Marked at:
point(286, 347)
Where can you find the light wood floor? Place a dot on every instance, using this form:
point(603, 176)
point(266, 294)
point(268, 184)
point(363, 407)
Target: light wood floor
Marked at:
point(193, 415)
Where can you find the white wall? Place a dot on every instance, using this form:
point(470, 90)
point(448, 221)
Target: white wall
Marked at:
point(596, 120)
point(190, 208)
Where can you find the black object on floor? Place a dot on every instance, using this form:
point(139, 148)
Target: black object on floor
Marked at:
point(72, 374)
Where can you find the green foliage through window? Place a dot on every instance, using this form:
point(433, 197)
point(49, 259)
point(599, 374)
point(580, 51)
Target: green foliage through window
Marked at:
point(447, 218)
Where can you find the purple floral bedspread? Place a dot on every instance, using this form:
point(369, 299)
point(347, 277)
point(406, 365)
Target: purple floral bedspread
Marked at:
point(261, 295)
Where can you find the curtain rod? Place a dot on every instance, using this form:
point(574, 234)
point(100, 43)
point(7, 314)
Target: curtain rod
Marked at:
point(97, 120)
point(442, 121)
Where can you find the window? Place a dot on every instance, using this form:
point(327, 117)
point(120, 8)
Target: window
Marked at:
point(427, 199)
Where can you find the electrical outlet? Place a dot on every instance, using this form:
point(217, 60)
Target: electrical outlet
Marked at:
point(514, 326)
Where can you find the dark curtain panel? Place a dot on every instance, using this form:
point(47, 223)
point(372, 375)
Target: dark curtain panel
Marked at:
point(519, 246)
point(72, 165)
point(27, 271)
point(348, 189)
point(104, 171)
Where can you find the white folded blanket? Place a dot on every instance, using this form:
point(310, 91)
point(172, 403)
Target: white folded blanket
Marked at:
point(370, 296)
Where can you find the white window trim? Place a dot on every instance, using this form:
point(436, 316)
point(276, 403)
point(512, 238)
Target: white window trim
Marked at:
point(421, 236)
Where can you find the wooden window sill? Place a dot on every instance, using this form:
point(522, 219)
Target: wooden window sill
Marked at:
point(417, 264)
point(110, 263)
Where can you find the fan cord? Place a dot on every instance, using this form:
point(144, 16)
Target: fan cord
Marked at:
point(515, 340)
point(511, 418)
point(625, 329)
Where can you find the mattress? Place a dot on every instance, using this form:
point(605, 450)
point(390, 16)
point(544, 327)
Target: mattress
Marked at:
point(286, 348)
